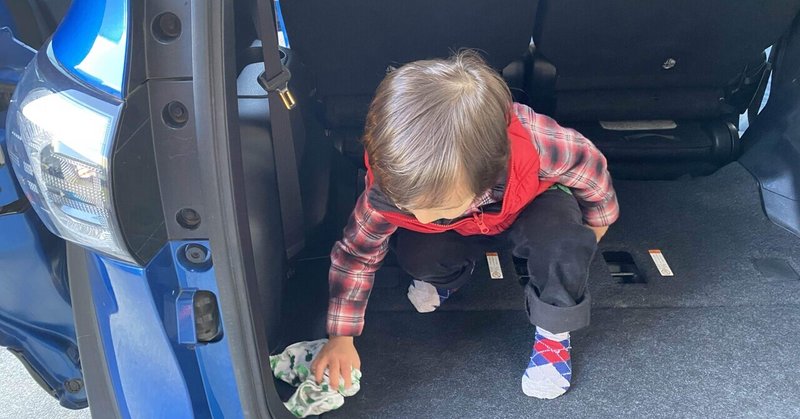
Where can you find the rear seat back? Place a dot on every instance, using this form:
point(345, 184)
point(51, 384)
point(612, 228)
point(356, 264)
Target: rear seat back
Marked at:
point(348, 44)
point(657, 85)
point(655, 58)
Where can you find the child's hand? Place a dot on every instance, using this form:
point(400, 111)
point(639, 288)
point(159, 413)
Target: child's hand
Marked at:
point(339, 356)
point(599, 231)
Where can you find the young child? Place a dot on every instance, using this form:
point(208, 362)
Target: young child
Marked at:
point(453, 162)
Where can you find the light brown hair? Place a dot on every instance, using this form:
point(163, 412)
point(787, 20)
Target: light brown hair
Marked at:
point(435, 125)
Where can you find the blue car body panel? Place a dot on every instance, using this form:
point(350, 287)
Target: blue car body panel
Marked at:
point(36, 321)
point(5, 18)
point(145, 316)
point(15, 56)
point(92, 43)
point(9, 190)
point(139, 319)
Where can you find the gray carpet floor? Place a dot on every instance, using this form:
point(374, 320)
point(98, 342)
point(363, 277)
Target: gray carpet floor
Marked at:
point(720, 362)
point(716, 340)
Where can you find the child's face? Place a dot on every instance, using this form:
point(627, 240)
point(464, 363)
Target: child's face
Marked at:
point(453, 208)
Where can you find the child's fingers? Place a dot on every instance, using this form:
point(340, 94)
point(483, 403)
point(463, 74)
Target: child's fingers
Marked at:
point(333, 369)
point(347, 372)
point(318, 366)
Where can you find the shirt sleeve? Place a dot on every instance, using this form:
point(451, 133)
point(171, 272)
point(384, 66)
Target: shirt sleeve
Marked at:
point(354, 260)
point(568, 158)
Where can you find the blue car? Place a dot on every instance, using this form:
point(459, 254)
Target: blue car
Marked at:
point(168, 203)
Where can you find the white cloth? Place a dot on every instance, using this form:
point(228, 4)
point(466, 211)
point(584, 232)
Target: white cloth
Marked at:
point(293, 366)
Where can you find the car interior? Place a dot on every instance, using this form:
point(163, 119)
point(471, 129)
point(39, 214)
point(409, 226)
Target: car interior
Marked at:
point(36, 19)
point(659, 87)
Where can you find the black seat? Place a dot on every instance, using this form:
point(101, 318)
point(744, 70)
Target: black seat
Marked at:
point(685, 60)
point(349, 44)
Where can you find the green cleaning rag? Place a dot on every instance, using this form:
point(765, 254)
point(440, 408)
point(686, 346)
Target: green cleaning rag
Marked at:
point(293, 366)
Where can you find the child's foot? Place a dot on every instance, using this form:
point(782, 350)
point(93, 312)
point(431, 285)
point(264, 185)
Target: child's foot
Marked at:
point(425, 297)
point(549, 373)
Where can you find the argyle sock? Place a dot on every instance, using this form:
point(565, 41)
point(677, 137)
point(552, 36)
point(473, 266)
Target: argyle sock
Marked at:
point(550, 370)
point(425, 297)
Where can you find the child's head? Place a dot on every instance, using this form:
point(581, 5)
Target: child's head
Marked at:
point(436, 134)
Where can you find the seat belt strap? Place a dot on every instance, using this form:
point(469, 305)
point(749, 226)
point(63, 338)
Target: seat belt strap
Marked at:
point(275, 80)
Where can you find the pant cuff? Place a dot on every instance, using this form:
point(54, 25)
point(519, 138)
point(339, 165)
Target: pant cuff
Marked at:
point(557, 319)
point(453, 282)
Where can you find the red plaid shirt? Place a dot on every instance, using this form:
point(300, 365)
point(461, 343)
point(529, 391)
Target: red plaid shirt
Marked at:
point(567, 158)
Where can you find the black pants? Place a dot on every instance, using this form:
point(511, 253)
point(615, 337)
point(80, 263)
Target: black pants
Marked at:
point(549, 233)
